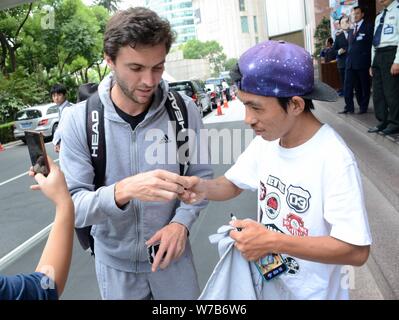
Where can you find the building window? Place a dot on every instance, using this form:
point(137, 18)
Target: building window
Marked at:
point(256, 24)
point(244, 24)
point(242, 5)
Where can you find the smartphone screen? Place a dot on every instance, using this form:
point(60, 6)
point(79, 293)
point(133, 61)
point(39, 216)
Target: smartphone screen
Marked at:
point(152, 251)
point(37, 152)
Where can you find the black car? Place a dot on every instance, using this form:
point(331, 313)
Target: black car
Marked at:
point(196, 91)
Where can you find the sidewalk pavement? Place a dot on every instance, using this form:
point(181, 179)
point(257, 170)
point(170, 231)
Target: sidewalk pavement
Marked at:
point(362, 121)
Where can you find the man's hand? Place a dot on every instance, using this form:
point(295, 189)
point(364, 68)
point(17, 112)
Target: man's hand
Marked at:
point(157, 185)
point(195, 190)
point(172, 239)
point(254, 241)
point(371, 72)
point(341, 51)
point(395, 69)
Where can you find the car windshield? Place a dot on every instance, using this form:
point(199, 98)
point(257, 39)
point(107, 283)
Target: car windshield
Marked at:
point(28, 114)
point(183, 87)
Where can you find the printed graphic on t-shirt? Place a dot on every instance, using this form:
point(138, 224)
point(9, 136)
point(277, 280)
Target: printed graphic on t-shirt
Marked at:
point(272, 205)
point(298, 199)
point(263, 191)
point(275, 182)
point(295, 225)
point(292, 265)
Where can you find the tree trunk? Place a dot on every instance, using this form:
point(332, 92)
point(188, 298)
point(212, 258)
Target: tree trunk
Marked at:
point(13, 58)
point(4, 49)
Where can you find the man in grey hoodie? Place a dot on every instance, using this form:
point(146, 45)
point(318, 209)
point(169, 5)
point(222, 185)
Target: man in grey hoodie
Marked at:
point(138, 204)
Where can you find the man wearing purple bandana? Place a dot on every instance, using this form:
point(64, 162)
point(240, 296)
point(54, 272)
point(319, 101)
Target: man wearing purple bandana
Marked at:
point(311, 207)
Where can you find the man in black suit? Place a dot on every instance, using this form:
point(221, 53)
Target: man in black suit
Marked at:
point(341, 48)
point(358, 62)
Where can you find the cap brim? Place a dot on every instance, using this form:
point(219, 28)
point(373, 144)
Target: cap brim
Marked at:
point(322, 92)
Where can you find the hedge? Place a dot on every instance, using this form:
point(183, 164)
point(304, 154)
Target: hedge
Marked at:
point(6, 132)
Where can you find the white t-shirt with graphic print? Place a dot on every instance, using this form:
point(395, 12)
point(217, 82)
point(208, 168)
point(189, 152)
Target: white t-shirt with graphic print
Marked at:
point(310, 190)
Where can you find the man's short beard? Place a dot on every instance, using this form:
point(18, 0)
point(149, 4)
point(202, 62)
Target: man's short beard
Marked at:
point(122, 85)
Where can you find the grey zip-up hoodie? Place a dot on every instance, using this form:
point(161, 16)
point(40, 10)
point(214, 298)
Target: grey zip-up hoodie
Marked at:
point(120, 234)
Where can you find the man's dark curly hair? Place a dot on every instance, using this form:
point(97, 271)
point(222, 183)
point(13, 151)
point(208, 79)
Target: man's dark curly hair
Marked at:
point(136, 26)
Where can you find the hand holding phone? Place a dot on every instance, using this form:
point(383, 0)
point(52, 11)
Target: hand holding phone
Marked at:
point(53, 186)
point(152, 252)
point(37, 152)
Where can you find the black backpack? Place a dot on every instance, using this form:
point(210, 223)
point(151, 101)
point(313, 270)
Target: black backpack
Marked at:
point(177, 112)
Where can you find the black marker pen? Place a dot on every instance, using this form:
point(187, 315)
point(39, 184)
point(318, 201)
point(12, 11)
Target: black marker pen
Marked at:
point(234, 218)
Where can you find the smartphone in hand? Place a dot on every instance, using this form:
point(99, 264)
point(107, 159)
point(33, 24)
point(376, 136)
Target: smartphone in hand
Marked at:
point(37, 152)
point(152, 252)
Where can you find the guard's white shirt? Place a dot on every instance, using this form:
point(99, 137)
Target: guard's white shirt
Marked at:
point(390, 29)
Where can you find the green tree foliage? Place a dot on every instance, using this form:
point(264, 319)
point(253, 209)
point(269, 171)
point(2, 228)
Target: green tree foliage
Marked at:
point(74, 42)
point(230, 64)
point(211, 50)
point(52, 41)
point(322, 33)
point(18, 91)
point(11, 23)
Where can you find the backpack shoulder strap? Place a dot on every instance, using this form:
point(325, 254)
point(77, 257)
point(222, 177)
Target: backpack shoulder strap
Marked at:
point(177, 110)
point(96, 142)
point(96, 137)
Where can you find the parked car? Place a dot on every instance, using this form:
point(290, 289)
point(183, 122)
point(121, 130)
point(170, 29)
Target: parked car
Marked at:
point(43, 118)
point(195, 90)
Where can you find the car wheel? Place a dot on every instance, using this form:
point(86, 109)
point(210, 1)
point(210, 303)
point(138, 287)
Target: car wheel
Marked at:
point(23, 140)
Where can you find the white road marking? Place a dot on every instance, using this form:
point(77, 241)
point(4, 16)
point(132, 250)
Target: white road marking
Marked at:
point(15, 254)
point(25, 247)
point(18, 176)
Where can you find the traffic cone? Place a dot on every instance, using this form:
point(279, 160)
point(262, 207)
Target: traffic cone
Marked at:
point(225, 104)
point(219, 109)
point(233, 95)
point(1, 147)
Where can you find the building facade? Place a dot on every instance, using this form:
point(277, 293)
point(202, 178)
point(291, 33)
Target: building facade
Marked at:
point(235, 24)
point(289, 20)
point(186, 69)
point(180, 15)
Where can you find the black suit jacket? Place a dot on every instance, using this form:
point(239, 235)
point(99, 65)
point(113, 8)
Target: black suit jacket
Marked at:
point(341, 43)
point(359, 50)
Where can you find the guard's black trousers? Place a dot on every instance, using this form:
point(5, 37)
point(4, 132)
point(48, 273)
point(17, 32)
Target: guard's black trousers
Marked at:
point(385, 88)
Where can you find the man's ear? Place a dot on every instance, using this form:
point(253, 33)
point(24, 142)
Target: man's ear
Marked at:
point(297, 105)
point(109, 61)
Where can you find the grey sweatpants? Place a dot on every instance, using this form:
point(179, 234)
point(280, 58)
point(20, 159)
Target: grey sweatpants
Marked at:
point(177, 282)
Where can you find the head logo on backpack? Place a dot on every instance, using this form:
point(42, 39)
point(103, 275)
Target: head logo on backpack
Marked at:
point(95, 133)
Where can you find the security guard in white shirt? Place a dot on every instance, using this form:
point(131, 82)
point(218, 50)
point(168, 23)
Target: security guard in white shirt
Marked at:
point(385, 68)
